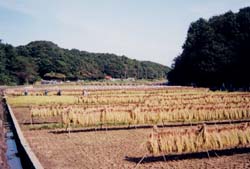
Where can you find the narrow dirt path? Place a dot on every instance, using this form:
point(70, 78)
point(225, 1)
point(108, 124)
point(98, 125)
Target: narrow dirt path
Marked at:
point(3, 147)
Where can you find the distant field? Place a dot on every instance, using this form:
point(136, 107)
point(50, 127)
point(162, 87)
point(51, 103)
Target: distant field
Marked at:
point(124, 111)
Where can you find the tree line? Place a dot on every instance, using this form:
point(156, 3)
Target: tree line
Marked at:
point(45, 60)
point(216, 53)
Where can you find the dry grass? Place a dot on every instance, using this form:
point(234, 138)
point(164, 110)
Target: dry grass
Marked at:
point(198, 140)
point(139, 107)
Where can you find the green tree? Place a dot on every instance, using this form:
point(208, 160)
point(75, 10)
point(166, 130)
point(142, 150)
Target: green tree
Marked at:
point(25, 69)
point(215, 53)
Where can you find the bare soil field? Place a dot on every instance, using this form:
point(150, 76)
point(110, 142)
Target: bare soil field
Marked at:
point(113, 149)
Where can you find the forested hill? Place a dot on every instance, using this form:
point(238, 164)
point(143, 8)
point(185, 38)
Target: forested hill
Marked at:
point(216, 52)
point(44, 59)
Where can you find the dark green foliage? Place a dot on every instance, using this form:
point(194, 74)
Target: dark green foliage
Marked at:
point(43, 59)
point(24, 69)
point(216, 52)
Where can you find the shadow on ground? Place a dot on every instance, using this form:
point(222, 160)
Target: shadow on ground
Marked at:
point(34, 123)
point(131, 127)
point(99, 129)
point(217, 153)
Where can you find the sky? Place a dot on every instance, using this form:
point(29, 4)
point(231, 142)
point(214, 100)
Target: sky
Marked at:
point(152, 30)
